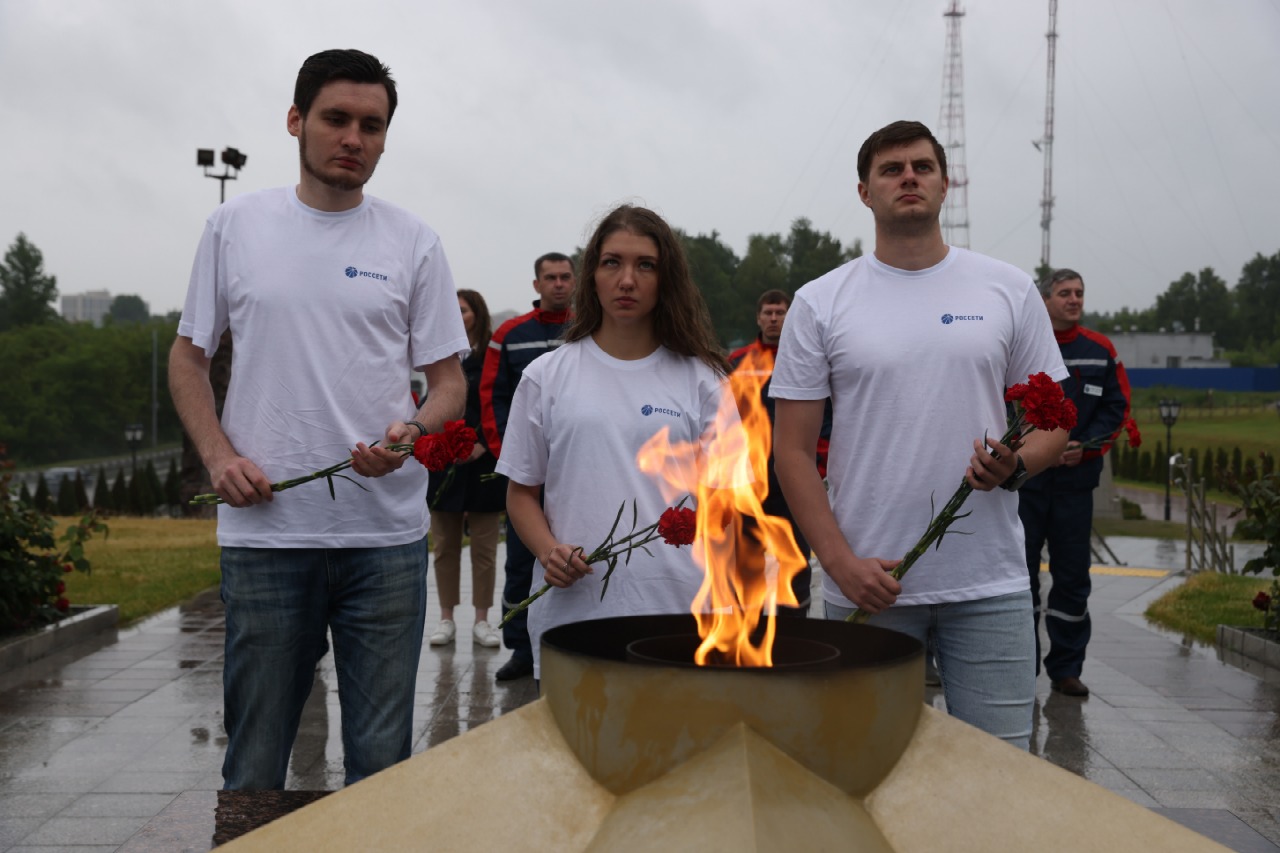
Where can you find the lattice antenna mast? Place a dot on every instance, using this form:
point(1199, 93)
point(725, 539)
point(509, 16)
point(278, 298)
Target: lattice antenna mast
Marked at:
point(955, 210)
point(1046, 144)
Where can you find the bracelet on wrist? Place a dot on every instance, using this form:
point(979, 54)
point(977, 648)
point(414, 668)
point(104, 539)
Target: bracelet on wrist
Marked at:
point(421, 429)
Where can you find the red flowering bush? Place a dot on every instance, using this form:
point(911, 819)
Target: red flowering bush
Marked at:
point(676, 526)
point(1038, 404)
point(32, 562)
point(1260, 506)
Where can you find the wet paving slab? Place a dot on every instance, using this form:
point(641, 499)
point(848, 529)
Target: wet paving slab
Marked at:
point(119, 746)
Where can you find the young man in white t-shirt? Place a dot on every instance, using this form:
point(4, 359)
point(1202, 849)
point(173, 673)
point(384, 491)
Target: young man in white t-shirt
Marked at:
point(915, 344)
point(332, 298)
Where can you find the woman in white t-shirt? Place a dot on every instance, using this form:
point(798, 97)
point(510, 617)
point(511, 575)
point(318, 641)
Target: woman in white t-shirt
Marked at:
point(640, 355)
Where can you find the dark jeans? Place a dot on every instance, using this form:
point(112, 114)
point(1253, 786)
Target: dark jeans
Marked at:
point(279, 603)
point(1065, 520)
point(519, 582)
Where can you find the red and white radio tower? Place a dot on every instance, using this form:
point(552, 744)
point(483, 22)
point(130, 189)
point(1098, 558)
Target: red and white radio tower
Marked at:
point(1045, 144)
point(955, 210)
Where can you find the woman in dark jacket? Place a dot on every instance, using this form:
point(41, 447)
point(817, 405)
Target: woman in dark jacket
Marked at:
point(467, 501)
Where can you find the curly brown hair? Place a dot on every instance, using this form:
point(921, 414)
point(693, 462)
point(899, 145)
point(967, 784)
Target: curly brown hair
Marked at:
point(681, 321)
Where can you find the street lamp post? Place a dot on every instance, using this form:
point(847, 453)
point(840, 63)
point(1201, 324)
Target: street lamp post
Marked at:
point(133, 435)
point(1169, 411)
point(232, 159)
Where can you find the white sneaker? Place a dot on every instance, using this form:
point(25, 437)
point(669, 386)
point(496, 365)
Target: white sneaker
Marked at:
point(485, 636)
point(444, 635)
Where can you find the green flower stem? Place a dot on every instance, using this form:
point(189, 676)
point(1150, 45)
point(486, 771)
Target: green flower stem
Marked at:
point(609, 550)
point(324, 473)
point(624, 547)
point(444, 485)
point(938, 525)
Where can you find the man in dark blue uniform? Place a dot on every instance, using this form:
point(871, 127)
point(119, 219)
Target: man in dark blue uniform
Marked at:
point(1056, 506)
point(771, 313)
point(511, 349)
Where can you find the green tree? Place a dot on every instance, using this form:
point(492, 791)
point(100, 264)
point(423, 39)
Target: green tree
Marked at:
point(120, 493)
point(66, 502)
point(173, 485)
point(26, 293)
point(128, 308)
point(712, 264)
point(1197, 302)
point(1257, 297)
point(81, 493)
point(59, 406)
point(41, 499)
point(811, 254)
point(101, 491)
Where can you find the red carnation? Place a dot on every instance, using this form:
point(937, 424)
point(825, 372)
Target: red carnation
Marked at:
point(461, 440)
point(1262, 601)
point(67, 568)
point(1131, 429)
point(62, 604)
point(678, 526)
point(1044, 404)
point(62, 587)
point(433, 452)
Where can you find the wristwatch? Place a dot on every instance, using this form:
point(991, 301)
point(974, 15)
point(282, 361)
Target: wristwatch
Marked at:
point(1019, 476)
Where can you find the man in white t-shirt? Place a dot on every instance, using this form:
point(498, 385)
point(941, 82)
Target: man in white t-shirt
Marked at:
point(332, 298)
point(915, 345)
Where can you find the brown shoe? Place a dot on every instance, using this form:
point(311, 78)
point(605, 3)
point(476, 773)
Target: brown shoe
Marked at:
point(1070, 686)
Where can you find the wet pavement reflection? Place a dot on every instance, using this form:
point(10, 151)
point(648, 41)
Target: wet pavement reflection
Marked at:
point(120, 748)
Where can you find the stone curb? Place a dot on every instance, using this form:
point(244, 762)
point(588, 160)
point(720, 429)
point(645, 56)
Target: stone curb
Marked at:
point(1250, 649)
point(85, 623)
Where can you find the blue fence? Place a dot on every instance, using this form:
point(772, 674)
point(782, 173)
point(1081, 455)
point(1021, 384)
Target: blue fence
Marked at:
point(1217, 378)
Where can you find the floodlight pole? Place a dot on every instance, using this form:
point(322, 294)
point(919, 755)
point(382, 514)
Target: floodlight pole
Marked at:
point(233, 161)
point(1169, 411)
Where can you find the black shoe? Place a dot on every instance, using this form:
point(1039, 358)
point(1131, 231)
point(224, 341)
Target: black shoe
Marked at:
point(518, 666)
point(1070, 686)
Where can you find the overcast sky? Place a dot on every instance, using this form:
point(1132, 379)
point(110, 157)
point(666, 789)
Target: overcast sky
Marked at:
point(520, 123)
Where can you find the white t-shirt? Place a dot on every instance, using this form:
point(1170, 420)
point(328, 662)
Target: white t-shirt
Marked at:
point(578, 420)
point(329, 313)
point(916, 365)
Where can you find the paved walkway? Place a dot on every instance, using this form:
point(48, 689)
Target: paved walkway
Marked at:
point(95, 745)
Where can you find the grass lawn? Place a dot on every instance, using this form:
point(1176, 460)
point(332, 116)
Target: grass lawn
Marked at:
point(1252, 433)
point(146, 565)
point(1207, 600)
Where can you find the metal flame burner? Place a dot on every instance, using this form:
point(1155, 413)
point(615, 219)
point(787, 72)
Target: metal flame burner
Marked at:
point(629, 721)
point(794, 654)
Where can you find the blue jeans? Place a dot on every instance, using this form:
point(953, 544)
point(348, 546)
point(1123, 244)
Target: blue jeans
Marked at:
point(985, 653)
point(279, 603)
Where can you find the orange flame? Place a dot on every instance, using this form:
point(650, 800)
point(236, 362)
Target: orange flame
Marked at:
point(748, 558)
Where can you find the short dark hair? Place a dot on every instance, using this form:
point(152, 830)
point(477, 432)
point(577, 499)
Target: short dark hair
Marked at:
point(894, 136)
point(1057, 277)
point(772, 297)
point(352, 65)
point(552, 257)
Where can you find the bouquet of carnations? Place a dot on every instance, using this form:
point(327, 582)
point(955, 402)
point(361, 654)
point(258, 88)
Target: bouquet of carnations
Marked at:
point(436, 451)
point(1038, 404)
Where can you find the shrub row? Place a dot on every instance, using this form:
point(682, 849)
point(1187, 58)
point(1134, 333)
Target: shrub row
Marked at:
point(144, 494)
point(1213, 465)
